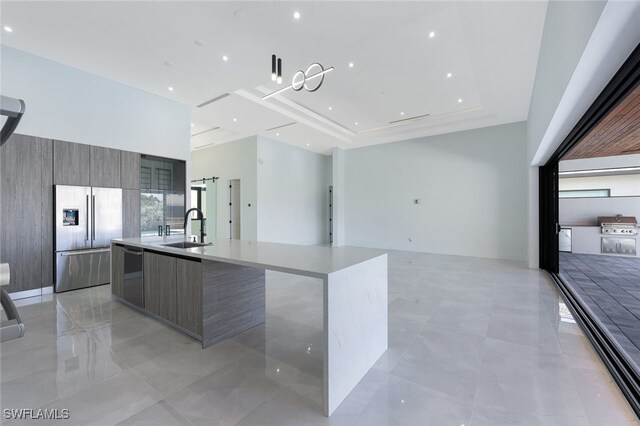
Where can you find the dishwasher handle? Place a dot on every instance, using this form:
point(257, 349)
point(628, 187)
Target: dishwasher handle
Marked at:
point(132, 252)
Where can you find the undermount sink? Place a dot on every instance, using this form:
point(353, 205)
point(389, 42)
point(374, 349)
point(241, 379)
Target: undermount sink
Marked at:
point(186, 244)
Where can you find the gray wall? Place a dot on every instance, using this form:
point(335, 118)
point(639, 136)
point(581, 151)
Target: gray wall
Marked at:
point(293, 194)
point(235, 160)
point(286, 186)
point(472, 186)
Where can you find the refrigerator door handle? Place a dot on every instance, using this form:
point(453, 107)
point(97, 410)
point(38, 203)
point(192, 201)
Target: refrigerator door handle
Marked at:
point(86, 237)
point(93, 218)
point(83, 252)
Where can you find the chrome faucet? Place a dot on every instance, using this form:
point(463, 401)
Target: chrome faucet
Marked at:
point(203, 232)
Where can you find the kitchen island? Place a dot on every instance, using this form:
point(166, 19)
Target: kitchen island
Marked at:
point(216, 291)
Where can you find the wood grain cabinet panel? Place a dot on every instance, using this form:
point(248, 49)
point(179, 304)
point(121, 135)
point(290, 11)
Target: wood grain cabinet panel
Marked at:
point(71, 163)
point(46, 209)
point(105, 167)
point(21, 218)
point(160, 285)
point(117, 271)
point(129, 170)
point(189, 295)
point(130, 213)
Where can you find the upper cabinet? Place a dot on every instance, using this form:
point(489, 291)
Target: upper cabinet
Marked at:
point(105, 167)
point(162, 174)
point(85, 165)
point(71, 164)
point(129, 170)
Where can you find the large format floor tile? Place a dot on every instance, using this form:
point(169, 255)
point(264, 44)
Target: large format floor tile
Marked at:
point(610, 287)
point(471, 342)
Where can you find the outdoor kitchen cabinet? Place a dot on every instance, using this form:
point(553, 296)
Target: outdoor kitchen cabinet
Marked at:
point(619, 246)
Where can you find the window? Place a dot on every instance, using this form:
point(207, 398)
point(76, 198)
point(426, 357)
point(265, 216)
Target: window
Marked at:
point(585, 193)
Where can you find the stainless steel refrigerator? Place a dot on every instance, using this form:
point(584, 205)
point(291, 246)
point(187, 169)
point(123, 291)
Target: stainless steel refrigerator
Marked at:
point(86, 220)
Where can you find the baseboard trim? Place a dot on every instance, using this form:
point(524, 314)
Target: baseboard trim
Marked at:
point(17, 295)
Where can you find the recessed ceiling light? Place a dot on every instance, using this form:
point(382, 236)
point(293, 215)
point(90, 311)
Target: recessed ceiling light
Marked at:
point(350, 64)
point(401, 113)
point(296, 14)
point(225, 58)
point(460, 100)
point(191, 124)
point(199, 43)
point(235, 119)
point(277, 134)
point(432, 34)
point(449, 75)
point(330, 108)
point(356, 123)
point(7, 29)
point(308, 144)
point(170, 89)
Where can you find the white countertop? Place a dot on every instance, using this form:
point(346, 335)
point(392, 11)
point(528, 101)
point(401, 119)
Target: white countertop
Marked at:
point(312, 261)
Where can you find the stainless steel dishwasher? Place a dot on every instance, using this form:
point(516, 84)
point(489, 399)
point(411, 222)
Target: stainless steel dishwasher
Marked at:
point(133, 282)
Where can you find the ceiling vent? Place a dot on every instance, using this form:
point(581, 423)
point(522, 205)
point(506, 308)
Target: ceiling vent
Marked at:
point(204, 131)
point(205, 146)
point(417, 117)
point(216, 99)
point(280, 127)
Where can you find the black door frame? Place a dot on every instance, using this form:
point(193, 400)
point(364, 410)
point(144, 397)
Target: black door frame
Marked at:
point(623, 82)
point(626, 79)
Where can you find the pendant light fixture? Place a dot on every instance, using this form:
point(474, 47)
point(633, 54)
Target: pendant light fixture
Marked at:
point(279, 79)
point(273, 67)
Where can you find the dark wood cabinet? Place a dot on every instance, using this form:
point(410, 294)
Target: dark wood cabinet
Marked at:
point(189, 295)
point(129, 170)
point(46, 212)
point(160, 285)
point(105, 167)
point(71, 164)
point(117, 271)
point(25, 167)
point(130, 213)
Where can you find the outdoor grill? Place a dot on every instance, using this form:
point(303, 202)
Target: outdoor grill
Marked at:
point(618, 225)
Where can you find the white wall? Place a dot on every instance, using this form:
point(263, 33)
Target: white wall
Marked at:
point(472, 186)
point(619, 186)
point(72, 105)
point(235, 160)
point(567, 32)
point(338, 203)
point(293, 194)
point(567, 29)
point(585, 211)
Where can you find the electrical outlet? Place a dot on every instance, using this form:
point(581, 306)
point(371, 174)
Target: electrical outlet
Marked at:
point(416, 201)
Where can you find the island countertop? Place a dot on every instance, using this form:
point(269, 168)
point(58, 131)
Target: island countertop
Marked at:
point(312, 261)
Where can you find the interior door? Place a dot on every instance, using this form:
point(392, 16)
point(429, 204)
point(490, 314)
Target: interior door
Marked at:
point(106, 204)
point(73, 217)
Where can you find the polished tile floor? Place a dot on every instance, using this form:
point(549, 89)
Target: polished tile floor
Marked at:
point(610, 287)
point(471, 342)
